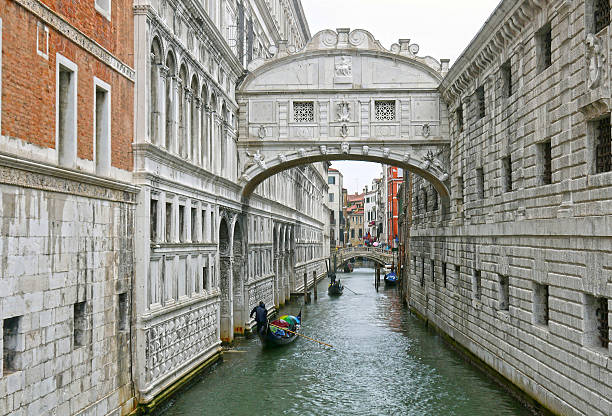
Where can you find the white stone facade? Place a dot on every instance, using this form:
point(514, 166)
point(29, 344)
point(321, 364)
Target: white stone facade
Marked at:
point(517, 267)
point(334, 203)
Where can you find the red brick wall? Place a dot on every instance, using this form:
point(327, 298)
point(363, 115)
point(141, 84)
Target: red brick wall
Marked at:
point(29, 90)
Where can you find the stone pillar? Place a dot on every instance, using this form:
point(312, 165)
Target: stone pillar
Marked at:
point(187, 124)
point(196, 118)
point(161, 93)
point(174, 120)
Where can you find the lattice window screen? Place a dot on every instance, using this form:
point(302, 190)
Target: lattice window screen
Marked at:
point(384, 110)
point(303, 111)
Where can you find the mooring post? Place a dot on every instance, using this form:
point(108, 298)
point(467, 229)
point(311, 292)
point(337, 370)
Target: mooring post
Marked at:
point(377, 277)
point(314, 284)
point(306, 288)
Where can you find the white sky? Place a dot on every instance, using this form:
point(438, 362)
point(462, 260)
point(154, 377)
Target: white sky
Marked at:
point(441, 28)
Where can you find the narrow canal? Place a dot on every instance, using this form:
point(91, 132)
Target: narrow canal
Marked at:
point(384, 362)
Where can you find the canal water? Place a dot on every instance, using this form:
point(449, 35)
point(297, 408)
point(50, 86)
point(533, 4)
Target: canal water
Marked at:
point(384, 362)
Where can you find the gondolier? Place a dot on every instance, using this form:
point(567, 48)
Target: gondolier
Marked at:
point(261, 316)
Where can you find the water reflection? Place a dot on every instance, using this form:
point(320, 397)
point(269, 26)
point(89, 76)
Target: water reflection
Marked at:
point(385, 362)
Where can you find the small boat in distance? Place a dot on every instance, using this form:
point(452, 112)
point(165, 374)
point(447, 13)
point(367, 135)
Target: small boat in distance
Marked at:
point(281, 331)
point(348, 267)
point(391, 279)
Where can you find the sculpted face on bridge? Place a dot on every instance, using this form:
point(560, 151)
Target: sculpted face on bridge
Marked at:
point(344, 97)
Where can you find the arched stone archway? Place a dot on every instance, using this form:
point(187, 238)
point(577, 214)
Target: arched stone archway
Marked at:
point(344, 97)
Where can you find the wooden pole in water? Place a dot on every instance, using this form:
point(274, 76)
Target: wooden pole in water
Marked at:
point(306, 288)
point(314, 284)
point(377, 277)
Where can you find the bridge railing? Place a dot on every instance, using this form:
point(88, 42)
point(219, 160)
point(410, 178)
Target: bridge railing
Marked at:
point(378, 250)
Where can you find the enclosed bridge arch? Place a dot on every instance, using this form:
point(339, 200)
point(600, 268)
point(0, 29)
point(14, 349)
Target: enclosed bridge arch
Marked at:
point(344, 97)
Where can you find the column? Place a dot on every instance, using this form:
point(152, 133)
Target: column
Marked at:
point(161, 102)
point(187, 124)
point(197, 135)
point(176, 84)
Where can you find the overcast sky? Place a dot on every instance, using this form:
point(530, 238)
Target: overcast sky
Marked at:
point(441, 28)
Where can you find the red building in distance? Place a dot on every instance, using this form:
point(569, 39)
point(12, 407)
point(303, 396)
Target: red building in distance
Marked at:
point(394, 179)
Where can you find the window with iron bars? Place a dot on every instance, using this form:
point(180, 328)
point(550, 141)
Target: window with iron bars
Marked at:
point(602, 322)
point(384, 110)
point(603, 149)
point(601, 14)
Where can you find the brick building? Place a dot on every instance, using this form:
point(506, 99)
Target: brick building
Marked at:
point(67, 88)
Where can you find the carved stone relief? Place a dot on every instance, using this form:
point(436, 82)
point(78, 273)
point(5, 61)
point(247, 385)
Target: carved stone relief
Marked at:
point(595, 60)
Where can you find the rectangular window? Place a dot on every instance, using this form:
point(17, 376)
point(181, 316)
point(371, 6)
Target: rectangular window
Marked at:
point(102, 127)
point(204, 278)
point(506, 74)
point(11, 345)
point(596, 328)
point(123, 312)
point(544, 159)
point(153, 219)
point(480, 101)
point(477, 284)
point(181, 223)
point(422, 271)
point(384, 110)
point(460, 189)
point(353, 233)
point(603, 144)
point(480, 183)
point(194, 224)
point(360, 233)
point(504, 293)
point(507, 173)
point(203, 226)
point(331, 180)
point(433, 271)
point(168, 222)
point(331, 197)
point(104, 8)
point(457, 273)
point(80, 330)
point(544, 47)
point(601, 14)
point(444, 273)
point(303, 111)
point(66, 112)
point(42, 40)
point(459, 116)
point(540, 304)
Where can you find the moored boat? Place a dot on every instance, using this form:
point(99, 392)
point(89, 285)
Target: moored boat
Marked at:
point(391, 279)
point(281, 331)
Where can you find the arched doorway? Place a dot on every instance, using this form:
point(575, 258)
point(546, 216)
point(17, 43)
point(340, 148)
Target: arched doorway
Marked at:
point(225, 283)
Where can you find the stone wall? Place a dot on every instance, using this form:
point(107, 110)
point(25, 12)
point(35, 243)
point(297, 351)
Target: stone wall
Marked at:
point(517, 266)
point(66, 270)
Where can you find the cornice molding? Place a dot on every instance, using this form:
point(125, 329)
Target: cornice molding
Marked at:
point(60, 24)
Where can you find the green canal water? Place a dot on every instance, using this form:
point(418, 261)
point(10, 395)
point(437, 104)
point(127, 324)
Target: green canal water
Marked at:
point(384, 362)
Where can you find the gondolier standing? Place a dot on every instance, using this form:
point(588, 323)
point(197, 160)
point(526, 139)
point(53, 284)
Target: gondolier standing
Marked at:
point(261, 316)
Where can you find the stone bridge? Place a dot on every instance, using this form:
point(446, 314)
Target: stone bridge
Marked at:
point(343, 97)
point(378, 255)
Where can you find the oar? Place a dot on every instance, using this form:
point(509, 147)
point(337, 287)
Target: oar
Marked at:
point(312, 339)
point(346, 287)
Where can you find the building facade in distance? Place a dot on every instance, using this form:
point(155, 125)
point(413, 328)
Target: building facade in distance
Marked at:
point(335, 204)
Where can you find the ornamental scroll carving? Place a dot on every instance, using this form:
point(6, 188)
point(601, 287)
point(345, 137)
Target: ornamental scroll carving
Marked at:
point(595, 60)
point(177, 340)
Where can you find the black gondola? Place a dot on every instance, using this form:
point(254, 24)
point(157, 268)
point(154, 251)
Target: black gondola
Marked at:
point(391, 279)
point(335, 288)
point(282, 331)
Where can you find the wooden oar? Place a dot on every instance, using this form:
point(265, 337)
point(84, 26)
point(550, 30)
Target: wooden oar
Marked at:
point(346, 287)
point(312, 339)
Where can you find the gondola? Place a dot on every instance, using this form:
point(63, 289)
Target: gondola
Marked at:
point(391, 279)
point(282, 331)
point(335, 288)
point(348, 267)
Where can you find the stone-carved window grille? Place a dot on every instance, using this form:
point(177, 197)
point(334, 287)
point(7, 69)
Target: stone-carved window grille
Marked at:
point(444, 275)
point(81, 326)
point(422, 271)
point(460, 117)
point(433, 271)
point(384, 110)
point(303, 111)
point(601, 14)
point(597, 329)
point(480, 180)
point(544, 47)
point(504, 293)
point(603, 143)
point(603, 324)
